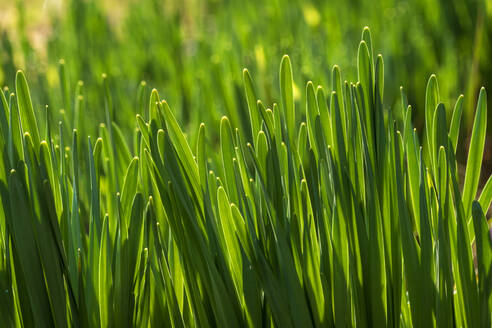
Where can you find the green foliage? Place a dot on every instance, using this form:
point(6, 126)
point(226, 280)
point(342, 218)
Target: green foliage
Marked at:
point(191, 50)
point(339, 220)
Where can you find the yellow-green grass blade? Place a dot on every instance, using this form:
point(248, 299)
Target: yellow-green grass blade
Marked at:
point(366, 93)
point(105, 281)
point(26, 110)
point(14, 142)
point(227, 153)
point(475, 154)
point(312, 114)
point(287, 97)
point(454, 129)
point(463, 265)
point(431, 101)
point(486, 196)
point(251, 99)
point(129, 190)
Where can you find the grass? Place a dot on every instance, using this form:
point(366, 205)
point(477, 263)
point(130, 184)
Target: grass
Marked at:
point(333, 214)
point(194, 62)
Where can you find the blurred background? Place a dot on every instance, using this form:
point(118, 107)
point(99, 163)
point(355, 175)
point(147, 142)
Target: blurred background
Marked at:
point(193, 52)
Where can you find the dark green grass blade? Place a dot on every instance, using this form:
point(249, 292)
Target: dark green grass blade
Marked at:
point(484, 261)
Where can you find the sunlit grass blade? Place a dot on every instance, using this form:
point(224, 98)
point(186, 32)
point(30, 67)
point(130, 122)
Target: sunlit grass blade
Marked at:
point(454, 129)
point(26, 110)
point(251, 100)
point(475, 153)
point(287, 97)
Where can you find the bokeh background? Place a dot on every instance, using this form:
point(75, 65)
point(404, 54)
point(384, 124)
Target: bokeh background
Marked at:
point(193, 52)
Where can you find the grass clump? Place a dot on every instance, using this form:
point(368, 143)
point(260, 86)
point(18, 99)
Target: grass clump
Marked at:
point(334, 214)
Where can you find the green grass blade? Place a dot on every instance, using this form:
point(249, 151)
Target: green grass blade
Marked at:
point(129, 190)
point(484, 262)
point(26, 111)
point(475, 153)
point(105, 276)
point(25, 246)
point(454, 129)
point(312, 112)
point(287, 97)
point(486, 195)
point(431, 101)
point(251, 100)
